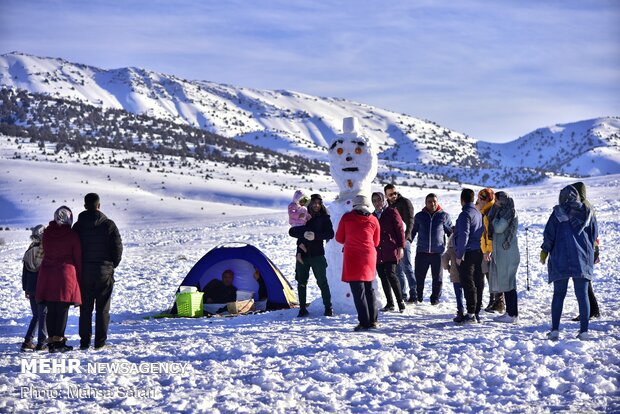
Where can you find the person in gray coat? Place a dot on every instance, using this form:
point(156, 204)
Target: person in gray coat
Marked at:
point(503, 225)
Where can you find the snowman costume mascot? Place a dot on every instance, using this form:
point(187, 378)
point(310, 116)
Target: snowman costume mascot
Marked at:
point(353, 165)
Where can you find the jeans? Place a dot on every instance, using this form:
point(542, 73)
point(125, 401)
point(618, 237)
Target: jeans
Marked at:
point(39, 316)
point(512, 307)
point(364, 298)
point(557, 304)
point(458, 292)
point(404, 271)
point(422, 262)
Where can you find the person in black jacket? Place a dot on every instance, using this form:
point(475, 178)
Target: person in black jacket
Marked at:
point(317, 230)
point(404, 269)
point(102, 250)
point(221, 291)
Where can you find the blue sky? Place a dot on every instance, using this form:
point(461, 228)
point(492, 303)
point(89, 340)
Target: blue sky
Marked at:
point(492, 69)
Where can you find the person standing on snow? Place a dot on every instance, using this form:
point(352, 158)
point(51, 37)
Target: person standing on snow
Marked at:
point(431, 225)
point(448, 262)
point(390, 250)
point(467, 236)
point(59, 275)
point(594, 309)
point(102, 249)
point(30, 271)
point(317, 230)
point(486, 200)
point(359, 232)
point(404, 269)
point(503, 225)
point(569, 239)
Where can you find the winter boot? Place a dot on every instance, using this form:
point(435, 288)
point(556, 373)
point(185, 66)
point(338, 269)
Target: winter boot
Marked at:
point(491, 303)
point(27, 346)
point(60, 346)
point(303, 312)
point(329, 311)
point(499, 306)
point(41, 347)
point(458, 318)
point(401, 307)
point(387, 308)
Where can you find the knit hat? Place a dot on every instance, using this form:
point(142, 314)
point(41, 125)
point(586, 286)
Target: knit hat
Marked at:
point(37, 232)
point(360, 202)
point(316, 197)
point(63, 216)
point(486, 194)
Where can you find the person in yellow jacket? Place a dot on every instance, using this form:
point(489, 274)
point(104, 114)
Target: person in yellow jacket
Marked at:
point(486, 200)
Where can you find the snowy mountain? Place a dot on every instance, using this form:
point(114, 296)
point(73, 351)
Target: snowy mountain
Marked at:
point(411, 150)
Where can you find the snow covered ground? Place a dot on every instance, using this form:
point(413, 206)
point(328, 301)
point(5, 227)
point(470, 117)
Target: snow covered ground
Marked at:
point(274, 362)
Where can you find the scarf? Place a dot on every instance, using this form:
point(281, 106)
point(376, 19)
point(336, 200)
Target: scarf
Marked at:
point(505, 210)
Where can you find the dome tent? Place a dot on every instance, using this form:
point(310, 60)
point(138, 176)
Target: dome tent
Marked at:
point(244, 260)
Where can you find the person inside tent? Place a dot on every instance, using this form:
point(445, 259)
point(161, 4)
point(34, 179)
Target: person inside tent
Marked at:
point(262, 288)
point(221, 291)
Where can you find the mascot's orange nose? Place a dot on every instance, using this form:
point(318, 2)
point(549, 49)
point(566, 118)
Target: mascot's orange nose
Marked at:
point(350, 183)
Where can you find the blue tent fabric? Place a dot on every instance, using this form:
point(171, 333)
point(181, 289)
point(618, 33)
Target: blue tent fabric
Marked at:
point(243, 260)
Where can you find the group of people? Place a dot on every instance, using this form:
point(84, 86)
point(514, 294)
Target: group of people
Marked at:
point(71, 264)
point(482, 244)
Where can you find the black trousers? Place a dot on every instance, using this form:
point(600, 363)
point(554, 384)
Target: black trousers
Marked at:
point(422, 262)
point(96, 295)
point(594, 310)
point(389, 282)
point(57, 314)
point(364, 298)
point(472, 280)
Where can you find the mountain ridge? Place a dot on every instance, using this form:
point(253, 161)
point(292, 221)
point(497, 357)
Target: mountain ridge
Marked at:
point(296, 123)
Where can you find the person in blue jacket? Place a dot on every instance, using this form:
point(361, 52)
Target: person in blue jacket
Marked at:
point(432, 225)
point(467, 235)
point(569, 238)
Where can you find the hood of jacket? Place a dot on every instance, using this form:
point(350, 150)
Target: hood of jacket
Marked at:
point(572, 210)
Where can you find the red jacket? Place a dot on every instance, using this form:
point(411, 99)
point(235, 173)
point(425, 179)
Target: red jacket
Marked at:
point(360, 235)
point(392, 236)
point(61, 266)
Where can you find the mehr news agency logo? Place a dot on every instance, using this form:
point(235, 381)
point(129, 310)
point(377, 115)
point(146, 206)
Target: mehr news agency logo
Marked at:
point(74, 366)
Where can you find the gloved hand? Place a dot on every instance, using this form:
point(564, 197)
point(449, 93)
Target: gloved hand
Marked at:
point(543, 256)
point(309, 235)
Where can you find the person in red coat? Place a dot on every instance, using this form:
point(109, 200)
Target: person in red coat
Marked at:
point(358, 231)
point(390, 250)
point(58, 285)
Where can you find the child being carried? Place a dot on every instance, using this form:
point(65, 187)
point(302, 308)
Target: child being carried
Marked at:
point(298, 216)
